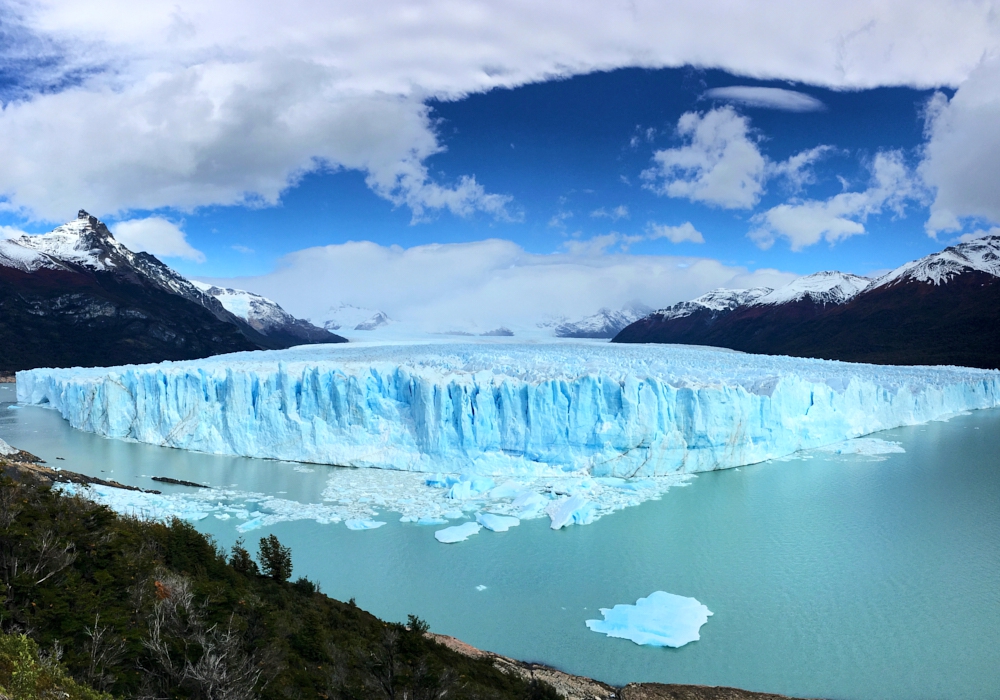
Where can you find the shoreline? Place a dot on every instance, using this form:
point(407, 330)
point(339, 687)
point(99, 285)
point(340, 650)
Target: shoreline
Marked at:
point(573, 687)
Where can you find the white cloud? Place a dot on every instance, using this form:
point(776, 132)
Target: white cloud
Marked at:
point(973, 235)
point(189, 103)
point(619, 212)
point(242, 249)
point(797, 170)
point(767, 97)
point(720, 165)
point(806, 223)
point(674, 234)
point(157, 236)
point(11, 232)
point(481, 285)
point(962, 156)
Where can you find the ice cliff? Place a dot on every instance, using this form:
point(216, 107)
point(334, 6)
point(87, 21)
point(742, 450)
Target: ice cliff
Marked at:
point(505, 408)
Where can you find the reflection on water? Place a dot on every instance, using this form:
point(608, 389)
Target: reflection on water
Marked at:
point(829, 576)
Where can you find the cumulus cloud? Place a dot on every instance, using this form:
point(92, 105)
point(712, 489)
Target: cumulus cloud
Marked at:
point(674, 234)
point(806, 223)
point(798, 169)
point(181, 103)
point(482, 285)
point(962, 156)
point(619, 212)
point(157, 236)
point(720, 164)
point(767, 97)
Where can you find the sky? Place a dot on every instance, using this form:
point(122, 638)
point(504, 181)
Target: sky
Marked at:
point(465, 165)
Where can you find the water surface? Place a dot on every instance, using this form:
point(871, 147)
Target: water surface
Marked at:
point(829, 576)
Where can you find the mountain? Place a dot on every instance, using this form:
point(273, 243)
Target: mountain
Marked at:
point(941, 309)
point(347, 317)
point(606, 323)
point(267, 317)
point(78, 297)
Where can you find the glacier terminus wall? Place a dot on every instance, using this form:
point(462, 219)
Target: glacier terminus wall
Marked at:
point(506, 408)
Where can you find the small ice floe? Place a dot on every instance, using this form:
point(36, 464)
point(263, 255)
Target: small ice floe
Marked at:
point(470, 488)
point(573, 510)
point(497, 523)
point(356, 524)
point(480, 587)
point(457, 533)
point(660, 620)
point(864, 446)
point(303, 470)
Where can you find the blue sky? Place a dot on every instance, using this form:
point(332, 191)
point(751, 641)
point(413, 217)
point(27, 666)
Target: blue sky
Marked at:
point(615, 155)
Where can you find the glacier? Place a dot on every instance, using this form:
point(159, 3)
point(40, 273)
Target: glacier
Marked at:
point(661, 619)
point(505, 409)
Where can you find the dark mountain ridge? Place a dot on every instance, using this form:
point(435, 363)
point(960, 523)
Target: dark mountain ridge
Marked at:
point(78, 297)
point(941, 309)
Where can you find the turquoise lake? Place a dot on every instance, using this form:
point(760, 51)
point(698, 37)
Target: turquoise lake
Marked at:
point(829, 576)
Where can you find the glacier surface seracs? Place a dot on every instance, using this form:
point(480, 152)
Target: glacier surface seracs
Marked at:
point(506, 409)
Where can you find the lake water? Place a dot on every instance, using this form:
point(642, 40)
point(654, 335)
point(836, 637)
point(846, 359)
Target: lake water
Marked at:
point(828, 575)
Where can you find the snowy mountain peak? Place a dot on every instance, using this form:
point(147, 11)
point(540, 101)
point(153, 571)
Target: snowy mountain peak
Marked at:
point(84, 241)
point(717, 300)
point(830, 287)
point(349, 317)
point(260, 312)
point(977, 255)
point(606, 323)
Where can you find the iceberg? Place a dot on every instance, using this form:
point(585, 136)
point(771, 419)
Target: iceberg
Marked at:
point(497, 523)
point(457, 533)
point(363, 524)
point(573, 510)
point(505, 409)
point(661, 620)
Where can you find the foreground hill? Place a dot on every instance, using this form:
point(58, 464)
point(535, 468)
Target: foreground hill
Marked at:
point(77, 297)
point(941, 309)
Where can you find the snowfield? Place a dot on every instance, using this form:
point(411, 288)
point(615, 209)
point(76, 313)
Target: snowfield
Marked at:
point(506, 409)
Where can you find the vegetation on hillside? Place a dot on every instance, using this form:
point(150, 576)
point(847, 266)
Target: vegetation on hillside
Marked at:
point(138, 609)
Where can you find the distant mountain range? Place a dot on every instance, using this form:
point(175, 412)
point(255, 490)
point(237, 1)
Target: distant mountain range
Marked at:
point(78, 297)
point(941, 309)
point(606, 323)
point(348, 317)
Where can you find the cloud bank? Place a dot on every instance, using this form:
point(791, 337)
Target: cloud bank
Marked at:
point(176, 103)
point(767, 98)
point(478, 286)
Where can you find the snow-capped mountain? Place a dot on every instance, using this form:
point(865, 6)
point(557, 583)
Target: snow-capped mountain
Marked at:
point(941, 309)
point(266, 316)
point(978, 255)
point(819, 288)
point(715, 302)
point(606, 323)
point(348, 317)
point(77, 296)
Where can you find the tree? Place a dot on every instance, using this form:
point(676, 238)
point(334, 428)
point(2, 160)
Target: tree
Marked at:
point(241, 560)
point(275, 559)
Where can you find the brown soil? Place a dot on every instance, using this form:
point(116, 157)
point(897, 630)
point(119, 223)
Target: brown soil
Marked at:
point(581, 688)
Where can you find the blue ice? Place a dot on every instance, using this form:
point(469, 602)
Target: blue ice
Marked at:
point(661, 620)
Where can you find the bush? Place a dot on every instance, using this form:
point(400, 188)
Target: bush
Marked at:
point(27, 675)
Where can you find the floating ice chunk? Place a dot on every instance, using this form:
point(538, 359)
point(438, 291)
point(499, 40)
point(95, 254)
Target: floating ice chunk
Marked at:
point(573, 510)
point(497, 523)
point(662, 619)
point(480, 587)
point(303, 470)
point(249, 525)
point(508, 489)
point(457, 533)
point(864, 446)
point(470, 488)
point(223, 516)
point(529, 503)
point(453, 514)
point(441, 481)
point(429, 520)
point(354, 524)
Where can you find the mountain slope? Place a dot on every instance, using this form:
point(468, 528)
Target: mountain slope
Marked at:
point(267, 317)
point(941, 309)
point(606, 323)
point(78, 297)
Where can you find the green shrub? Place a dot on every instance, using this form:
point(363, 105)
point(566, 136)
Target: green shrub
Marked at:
point(26, 675)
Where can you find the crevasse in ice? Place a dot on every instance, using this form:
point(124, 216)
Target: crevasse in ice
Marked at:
point(506, 409)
